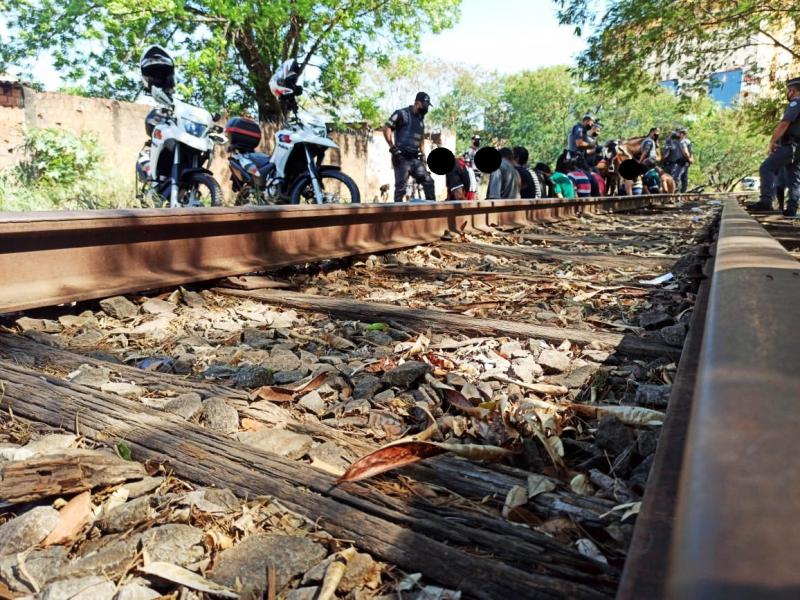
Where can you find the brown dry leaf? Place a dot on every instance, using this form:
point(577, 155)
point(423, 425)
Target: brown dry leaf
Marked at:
point(580, 484)
point(539, 484)
point(272, 394)
point(458, 401)
point(517, 496)
point(72, 518)
point(383, 365)
point(310, 385)
point(252, 425)
point(407, 451)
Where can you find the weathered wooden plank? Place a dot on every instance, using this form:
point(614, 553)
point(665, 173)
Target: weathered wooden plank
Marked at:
point(487, 276)
point(556, 255)
point(442, 321)
point(67, 472)
point(413, 540)
point(466, 479)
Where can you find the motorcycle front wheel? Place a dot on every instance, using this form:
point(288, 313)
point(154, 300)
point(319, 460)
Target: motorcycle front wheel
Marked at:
point(337, 188)
point(201, 190)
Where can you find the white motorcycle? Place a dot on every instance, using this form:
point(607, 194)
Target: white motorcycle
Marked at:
point(294, 173)
point(172, 167)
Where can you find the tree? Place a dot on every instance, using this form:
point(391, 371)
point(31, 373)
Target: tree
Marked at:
point(464, 107)
point(725, 151)
point(227, 49)
point(697, 35)
point(536, 109)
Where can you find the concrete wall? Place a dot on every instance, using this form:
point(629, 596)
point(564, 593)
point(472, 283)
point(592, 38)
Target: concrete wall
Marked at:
point(119, 128)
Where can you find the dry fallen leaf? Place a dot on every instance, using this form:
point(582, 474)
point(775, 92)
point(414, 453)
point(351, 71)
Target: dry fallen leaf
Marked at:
point(407, 451)
point(72, 518)
point(539, 484)
point(459, 402)
point(630, 415)
point(184, 577)
point(274, 393)
point(517, 496)
point(334, 573)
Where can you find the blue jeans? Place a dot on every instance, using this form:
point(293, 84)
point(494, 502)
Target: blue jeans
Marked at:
point(680, 173)
point(782, 158)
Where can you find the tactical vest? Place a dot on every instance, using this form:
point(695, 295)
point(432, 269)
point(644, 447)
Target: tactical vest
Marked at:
point(408, 135)
point(794, 130)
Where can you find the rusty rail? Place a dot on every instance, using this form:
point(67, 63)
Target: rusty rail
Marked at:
point(57, 257)
point(51, 258)
point(731, 529)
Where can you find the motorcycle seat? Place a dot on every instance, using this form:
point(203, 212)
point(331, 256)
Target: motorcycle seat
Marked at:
point(260, 159)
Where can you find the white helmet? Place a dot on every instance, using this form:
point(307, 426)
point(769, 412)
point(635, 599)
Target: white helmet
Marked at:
point(284, 82)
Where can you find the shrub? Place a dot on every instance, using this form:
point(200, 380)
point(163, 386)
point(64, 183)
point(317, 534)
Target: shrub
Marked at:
point(54, 157)
point(61, 171)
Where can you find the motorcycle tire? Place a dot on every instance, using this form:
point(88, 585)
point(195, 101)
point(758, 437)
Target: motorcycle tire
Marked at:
point(197, 180)
point(303, 191)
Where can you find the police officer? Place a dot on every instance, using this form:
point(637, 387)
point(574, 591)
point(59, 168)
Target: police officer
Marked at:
point(580, 143)
point(783, 153)
point(683, 158)
point(405, 132)
point(670, 152)
point(648, 151)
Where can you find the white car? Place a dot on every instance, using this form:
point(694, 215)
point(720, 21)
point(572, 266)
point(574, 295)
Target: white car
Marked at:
point(751, 183)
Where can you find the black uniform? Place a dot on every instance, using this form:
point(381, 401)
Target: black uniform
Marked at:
point(409, 130)
point(786, 156)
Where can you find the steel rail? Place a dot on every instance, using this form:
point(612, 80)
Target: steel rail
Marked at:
point(737, 528)
point(729, 527)
point(54, 258)
point(59, 257)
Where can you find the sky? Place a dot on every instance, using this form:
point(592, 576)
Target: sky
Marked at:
point(507, 36)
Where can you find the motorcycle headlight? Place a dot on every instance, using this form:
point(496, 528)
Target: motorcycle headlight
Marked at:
point(195, 129)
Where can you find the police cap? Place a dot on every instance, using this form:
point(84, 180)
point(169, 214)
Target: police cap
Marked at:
point(793, 82)
point(423, 97)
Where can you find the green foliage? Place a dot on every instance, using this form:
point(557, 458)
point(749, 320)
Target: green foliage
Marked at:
point(60, 171)
point(55, 157)
point(464, 108)
point(726, 150)
point(536, 109)
point(124, 451)
point(227, 50)
point(697, 35)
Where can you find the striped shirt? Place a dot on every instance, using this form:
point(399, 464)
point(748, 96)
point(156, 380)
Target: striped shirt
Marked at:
point(581, 183)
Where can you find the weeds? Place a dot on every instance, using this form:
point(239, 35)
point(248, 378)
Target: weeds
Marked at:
point(61, 171)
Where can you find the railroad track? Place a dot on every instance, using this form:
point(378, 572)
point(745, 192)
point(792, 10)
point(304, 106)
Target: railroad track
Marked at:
point(701, 531)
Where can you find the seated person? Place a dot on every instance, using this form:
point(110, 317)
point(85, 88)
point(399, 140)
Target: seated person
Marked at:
point(461, 182)
point(562, 185)
point(652, 181)
point(543, 172)
point(580, 181)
